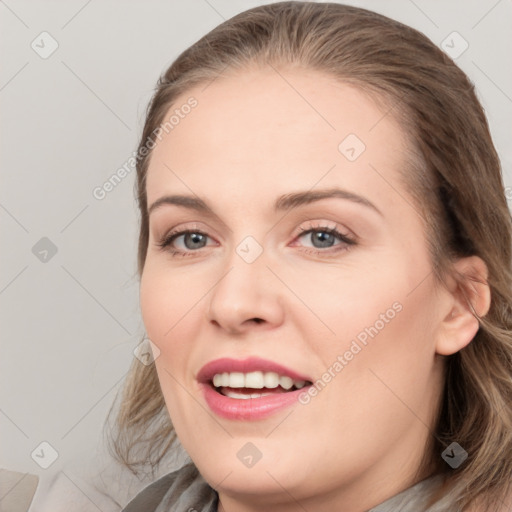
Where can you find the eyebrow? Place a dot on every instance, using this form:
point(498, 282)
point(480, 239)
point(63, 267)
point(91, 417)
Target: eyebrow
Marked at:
point(283, 203)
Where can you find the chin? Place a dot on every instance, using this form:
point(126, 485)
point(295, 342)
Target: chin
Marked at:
point(252, 483)
point(266, 477)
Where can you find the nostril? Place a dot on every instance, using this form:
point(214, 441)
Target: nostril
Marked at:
point(258, 320)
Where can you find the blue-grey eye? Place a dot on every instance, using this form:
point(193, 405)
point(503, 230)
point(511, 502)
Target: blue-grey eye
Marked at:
point(197, 240)
point(323, 238)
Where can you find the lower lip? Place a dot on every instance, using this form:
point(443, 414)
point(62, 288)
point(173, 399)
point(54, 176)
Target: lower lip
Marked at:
point(249, 408)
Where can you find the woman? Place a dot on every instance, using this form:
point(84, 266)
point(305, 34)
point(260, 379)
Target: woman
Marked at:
point(325, 262)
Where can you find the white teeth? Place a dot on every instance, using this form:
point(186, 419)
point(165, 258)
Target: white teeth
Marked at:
point(286, 382)
point(236, 380)
point(234, 394)
point(271, 380)
point(255, 380)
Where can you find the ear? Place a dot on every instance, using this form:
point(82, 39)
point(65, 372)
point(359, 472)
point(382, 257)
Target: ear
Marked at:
point(470, 295)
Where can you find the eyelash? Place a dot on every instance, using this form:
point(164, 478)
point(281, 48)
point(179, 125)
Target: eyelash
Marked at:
point(165, 243)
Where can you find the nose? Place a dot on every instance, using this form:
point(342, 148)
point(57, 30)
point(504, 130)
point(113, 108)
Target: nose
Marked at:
point(248, 295)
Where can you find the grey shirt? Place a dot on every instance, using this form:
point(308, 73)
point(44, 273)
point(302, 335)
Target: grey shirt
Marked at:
point(185, 490)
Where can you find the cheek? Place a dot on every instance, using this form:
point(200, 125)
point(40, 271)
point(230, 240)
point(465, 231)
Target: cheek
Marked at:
point(169, 320)
point(351, 304)
point(166, 297)
point(172, 312)
point(387, 360)
point(380, 321)
point(155, 300)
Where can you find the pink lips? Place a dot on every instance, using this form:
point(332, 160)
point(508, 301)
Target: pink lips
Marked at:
point(250, 408)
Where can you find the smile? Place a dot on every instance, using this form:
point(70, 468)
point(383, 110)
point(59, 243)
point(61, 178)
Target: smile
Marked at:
point(229, 387)
point(256, 380)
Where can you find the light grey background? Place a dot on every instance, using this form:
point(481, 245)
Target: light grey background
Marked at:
point(68, 122)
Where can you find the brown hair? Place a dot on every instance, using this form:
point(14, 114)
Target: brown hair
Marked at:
point(456, 184)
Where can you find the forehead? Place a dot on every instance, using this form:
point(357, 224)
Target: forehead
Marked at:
point(271, 129)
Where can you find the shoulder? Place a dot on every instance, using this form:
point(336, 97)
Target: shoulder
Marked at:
point(182, 489)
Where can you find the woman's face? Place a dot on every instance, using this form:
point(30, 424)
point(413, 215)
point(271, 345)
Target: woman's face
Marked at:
point(264, 152)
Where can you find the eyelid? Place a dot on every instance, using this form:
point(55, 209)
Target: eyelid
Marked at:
point(170, 235)
point(346, 239)
point(195, 226)
point(328, 225)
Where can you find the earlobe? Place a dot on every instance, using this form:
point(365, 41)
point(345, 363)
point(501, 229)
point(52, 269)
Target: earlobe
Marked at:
point(470, 298)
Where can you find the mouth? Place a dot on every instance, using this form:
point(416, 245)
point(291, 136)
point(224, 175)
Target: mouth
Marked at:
point(249, 389)
point(254, 384)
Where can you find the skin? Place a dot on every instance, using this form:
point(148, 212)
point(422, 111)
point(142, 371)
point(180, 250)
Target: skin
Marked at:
point(253, 138)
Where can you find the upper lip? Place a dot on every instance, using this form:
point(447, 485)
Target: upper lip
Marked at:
point(251, 364)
